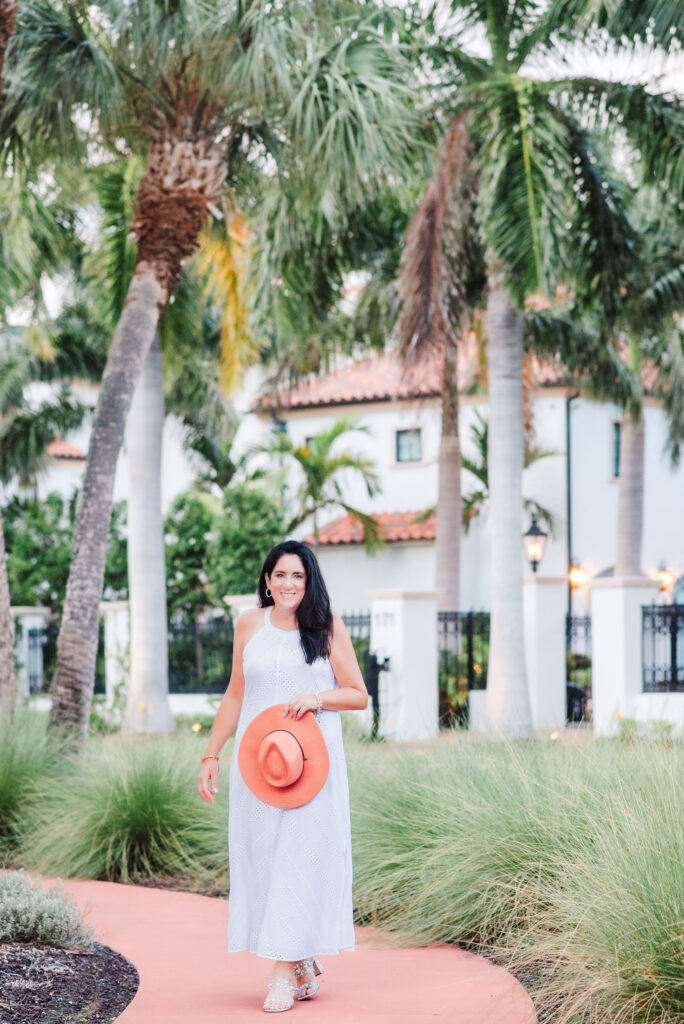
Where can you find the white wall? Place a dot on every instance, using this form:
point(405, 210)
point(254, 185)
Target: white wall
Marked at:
point(595, 490)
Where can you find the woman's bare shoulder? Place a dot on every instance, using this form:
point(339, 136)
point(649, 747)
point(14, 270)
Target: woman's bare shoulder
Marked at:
point(339, 629)
point(250, 620)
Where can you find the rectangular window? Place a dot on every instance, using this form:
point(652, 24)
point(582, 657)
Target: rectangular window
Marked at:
point(616, 450)
point(409, 445)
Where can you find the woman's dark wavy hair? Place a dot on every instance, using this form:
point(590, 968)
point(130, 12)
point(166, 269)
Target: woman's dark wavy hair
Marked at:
point(314, 614)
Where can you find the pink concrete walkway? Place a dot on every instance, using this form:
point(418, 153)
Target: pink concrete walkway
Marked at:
point(177, 942)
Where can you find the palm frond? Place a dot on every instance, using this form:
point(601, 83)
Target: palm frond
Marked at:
point(434, 265)
point(26, 432)
point(525, 178)
point(670, 387)
point(222, 260)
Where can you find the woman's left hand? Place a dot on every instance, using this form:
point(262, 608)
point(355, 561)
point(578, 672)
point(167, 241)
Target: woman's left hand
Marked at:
point(300, 704)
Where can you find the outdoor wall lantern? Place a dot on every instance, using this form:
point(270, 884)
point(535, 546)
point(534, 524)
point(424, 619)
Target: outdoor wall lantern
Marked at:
point(535, 542)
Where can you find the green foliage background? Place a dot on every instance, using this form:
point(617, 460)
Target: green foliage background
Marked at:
point(216, 545)
point(38, 537)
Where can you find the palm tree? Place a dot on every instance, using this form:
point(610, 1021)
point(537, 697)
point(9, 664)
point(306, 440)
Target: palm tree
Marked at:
point(208, 93)
point(548, 213)
point(478, 467)
point(182, 328)
point(432, 284)
point(321, 469)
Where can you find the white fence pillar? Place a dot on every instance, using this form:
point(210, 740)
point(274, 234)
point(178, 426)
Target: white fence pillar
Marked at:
point(616, 640)
point(117, 645)
point(404, 629)
point(26, 618)
point(544, 610)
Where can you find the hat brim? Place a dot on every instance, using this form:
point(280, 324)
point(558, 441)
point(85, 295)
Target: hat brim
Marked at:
point(316, 759)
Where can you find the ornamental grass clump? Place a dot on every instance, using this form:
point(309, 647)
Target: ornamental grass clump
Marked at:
point(564, 863)
point(613, 927)
point(460, 842)
point(41, 917)
point(129, 809)
point(28, 756)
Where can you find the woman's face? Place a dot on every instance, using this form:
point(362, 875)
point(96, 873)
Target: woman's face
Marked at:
point(287, 582)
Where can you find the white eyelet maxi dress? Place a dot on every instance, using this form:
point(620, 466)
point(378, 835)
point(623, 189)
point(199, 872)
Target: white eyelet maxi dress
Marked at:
point(290, 869)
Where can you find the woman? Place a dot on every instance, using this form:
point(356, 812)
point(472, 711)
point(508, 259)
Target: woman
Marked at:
point(290, 869)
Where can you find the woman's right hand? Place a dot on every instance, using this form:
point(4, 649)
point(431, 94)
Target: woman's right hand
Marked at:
point(207, 780)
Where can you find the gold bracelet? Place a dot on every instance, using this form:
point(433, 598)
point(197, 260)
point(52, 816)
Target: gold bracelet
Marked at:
point(210, 757)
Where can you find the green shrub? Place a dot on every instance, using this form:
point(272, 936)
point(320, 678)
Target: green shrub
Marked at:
point(43, 917)
point(128, 809)
point(27, 757)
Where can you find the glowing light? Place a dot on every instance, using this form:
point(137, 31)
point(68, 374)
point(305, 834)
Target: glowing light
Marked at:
point(578, 576)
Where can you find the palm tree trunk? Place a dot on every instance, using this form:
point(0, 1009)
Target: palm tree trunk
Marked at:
point(8, 678)
point(148, 709)
point(630, 521)
point(8, 20)
point(508, 704)
point(449, 504)
point(72, 685)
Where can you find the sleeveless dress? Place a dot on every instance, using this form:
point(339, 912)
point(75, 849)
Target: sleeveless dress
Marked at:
point(290, 869)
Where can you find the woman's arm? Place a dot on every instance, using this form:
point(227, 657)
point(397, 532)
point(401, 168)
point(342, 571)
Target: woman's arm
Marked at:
point(352, 694)
point(228, 713)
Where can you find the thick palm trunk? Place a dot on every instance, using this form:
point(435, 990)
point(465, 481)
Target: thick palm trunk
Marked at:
point(508, 704)
point(8, 679)
point(72, 686)
point(183, 180)
point(147, 709)
point(630, 522)
point(449, 514)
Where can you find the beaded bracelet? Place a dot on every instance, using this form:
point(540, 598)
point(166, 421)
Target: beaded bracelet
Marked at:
point(210, 757)
point(319, 701)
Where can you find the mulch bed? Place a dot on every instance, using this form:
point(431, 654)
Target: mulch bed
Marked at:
point(41, 985)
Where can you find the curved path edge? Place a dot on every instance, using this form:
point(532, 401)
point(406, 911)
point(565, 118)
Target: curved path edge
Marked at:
point(177, 942)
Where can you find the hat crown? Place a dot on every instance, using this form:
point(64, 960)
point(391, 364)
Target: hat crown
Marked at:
point(280, 758)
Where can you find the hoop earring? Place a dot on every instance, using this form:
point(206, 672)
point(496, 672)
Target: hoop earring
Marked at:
point(268, 592)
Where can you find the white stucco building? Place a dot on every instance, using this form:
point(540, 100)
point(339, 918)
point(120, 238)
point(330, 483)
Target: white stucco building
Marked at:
point(578, 482)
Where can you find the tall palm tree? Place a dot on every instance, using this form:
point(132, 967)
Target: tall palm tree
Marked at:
point(432, 283)
point(208, 92)
point(478, 466)
point(548, 213)
point(182, 329)
point(320, 471)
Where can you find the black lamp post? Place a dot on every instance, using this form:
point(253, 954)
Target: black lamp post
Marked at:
point(535, 542)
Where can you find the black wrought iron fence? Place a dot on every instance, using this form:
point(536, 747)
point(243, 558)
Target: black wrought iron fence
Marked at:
point(663, 648)
point(463, 646)
point(41, 649)
point(578, 667)
point(358, 624)
point(200, 656)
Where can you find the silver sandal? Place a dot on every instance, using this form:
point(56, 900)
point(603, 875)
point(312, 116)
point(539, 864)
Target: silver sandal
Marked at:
point(307, 989)
point(280, 996)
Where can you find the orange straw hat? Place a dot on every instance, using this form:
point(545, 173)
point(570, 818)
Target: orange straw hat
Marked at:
point(284, 761)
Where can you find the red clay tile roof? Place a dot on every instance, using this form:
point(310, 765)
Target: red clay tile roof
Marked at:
point(61, 449)
point(383, 378)
point(395, 526)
